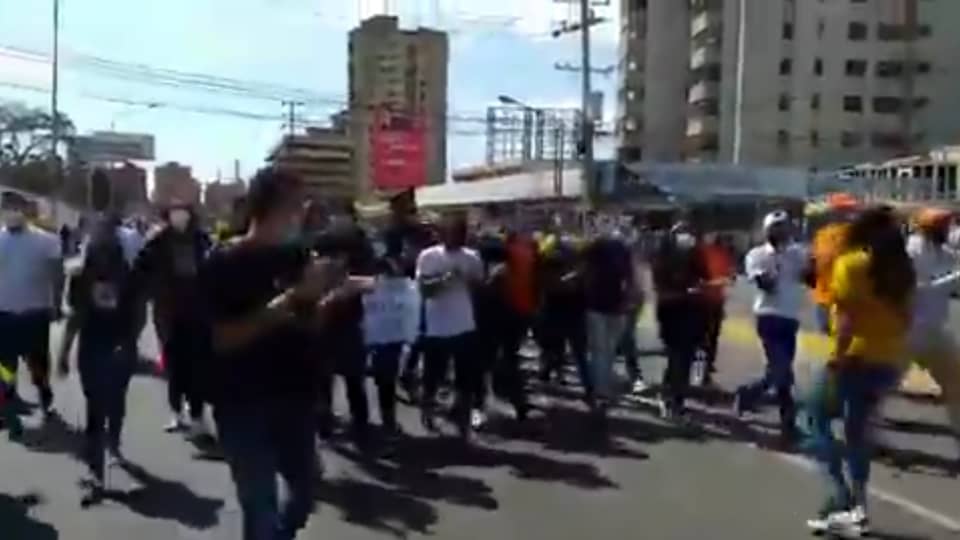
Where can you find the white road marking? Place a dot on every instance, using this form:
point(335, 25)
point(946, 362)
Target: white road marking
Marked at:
point(911, 507)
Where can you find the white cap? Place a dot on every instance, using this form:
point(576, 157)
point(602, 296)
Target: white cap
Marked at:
point(775, 218)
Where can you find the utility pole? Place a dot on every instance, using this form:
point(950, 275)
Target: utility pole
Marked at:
point(586, 122)
point(292, 115)
point(738, 105)
point(54, 109)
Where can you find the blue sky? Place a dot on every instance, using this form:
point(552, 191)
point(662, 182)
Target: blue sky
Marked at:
point(497, 47)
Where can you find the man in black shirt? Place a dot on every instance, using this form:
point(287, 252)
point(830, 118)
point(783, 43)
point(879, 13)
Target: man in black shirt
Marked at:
point(267, 300)
point(610, 288)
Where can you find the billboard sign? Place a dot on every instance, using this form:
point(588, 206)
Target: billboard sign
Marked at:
point(398, 150)
point(112, 147)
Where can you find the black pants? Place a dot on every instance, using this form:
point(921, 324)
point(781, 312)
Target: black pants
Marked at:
point(186, 352)
point(105, 372)
point(350, 365)
point(438, 352)
point(681, 330)
point(559, 330)
point(27, 336)
point(386, 365)
point(715, 315)
point(628, 346)
point(508, 376)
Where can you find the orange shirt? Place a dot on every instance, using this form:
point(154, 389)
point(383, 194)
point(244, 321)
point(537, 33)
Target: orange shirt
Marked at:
point(719, 266)
point(827, 246)
point(520, 277)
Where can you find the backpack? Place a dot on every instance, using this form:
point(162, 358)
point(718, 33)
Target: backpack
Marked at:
point(103, 281)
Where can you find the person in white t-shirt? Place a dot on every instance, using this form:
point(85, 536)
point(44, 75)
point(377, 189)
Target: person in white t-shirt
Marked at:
point(779, 268)
point(446, 272)
point(31, 293)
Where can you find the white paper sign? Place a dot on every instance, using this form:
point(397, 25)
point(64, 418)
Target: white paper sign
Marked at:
point(391, 312)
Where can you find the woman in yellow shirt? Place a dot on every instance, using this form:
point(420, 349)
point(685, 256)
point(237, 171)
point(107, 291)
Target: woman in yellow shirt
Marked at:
point(870, 293)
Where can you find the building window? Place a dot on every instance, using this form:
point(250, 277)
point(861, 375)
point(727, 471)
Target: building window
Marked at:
point(821, 27)
point(887, 105)
point(858, 1)
point(814, 138)
point(857, 31)
point(815, 102)
point(880, 139)
point(899, 32)
point(818, 66)
point(786, 66)
point(784, 102)
point(787, 31)
point(856, 68)
point(850, 139)
point(923, 67)
point(853, 104)
point(783, 138)
point(886, 69)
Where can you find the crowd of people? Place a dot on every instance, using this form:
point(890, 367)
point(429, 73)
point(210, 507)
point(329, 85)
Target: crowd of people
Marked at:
point(257, 323)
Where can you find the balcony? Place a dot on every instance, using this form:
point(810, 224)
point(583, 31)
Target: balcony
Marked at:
point(706, 20)
point(702, 126)
point(704, 56)
point(698, 144)
point(704, 90)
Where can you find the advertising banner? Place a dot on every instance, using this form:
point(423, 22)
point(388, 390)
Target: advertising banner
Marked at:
point(398, 156)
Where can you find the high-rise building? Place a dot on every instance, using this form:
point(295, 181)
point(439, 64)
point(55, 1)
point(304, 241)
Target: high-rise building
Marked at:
point(652, 105)
point(174, 183)
point(323, 158)
point(790, 82)
point(802, 82)
point(405, 72)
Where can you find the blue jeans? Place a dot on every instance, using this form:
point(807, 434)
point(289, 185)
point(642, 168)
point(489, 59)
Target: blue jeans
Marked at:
point(105, 372)
point(779, 338)
point(260, 441)
point(851, 393)
point(604, 332)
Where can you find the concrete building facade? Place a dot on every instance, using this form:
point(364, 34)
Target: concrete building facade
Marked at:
point(824, 83)
point(652, 104)
point(404, 71)
point(174, 183)
point(817, 83)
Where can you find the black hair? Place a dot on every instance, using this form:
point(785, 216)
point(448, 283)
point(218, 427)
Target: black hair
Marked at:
point(877, 230)
point(270, 189)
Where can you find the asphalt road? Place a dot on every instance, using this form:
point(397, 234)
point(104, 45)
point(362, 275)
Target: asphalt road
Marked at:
point(555, 479)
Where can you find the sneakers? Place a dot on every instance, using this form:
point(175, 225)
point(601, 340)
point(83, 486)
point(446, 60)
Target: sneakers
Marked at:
point(639, 386)
point(91, 491)
point(177, 423)
point(845, 524)
point(478, 419)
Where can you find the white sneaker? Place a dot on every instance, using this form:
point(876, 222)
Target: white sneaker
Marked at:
point(175, 424)
point(640, 386)
point(847, 524)
point(478, 419)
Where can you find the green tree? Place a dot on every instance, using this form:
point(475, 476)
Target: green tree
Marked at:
point(26, 135)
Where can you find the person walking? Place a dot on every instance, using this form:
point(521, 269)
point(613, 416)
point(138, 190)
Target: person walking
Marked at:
point(932, 344)
point(166, 272)
point(31, 296)
point(104, 313)
point(779, 269)
point(446, 272)
point(718, 259)
point(678, 277)
point(266, 299)
point(872, 291)
point(610, 289)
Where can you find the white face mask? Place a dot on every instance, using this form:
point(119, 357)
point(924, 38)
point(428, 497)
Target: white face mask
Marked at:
point(179, 219)
point(14, 219)
point(685, 240)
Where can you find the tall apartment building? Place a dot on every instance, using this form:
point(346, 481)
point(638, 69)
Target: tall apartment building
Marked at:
point(824, 82)
point(652, 104)
point(406, 72)
point(174, 183)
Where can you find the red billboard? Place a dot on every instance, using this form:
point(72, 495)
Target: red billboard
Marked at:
point(398, 150)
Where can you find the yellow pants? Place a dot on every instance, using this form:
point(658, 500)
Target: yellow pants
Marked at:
point(936, 351)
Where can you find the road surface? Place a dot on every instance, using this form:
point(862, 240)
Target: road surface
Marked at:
point(555, 479)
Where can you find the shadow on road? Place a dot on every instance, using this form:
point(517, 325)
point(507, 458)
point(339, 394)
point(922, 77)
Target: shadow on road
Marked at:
point(157, 498)
point(381, 508)
point(54, 436)
point(16, 522)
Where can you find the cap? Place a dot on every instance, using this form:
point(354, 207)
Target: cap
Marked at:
point(775, 218)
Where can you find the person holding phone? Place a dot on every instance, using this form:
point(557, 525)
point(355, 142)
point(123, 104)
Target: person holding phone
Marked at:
point(267, 299)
